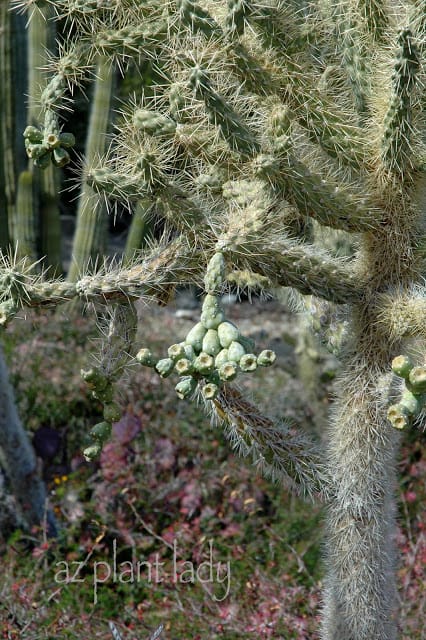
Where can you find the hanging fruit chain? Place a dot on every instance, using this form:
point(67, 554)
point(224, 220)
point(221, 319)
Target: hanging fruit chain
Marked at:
point(214, 351)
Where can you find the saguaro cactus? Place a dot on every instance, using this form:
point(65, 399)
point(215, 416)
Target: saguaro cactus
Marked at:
point(270, 117)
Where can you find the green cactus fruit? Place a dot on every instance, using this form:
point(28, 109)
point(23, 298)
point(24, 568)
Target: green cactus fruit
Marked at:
point(176, 351)
point(67, 140)
point(401, 366)
point(221, 358)
point(36, 151)
point(189, 351)
point(204, 363)
point(60, 157)
point(195, 337)
point(417, 380)
point(183, 366)
point(248, 362)
point(228, 371)
point(112, 412)
point(52, 141)
point(215, 273)
point(186, 387)
point(33, 135)
point(92, 452)
point(43, 161)
point(236, 351)
point(145, 357)
point(227, 333)
point(104, 395)
point(399, 416)
point(210, 391)
point(94, 378)
point(165, 367)
point(266, 358)
point(212, 317)
point(101, 431)
point(412, 402)
point(211, 344)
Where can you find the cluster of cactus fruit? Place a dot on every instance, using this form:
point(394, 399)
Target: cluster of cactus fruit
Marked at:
point(44, 148)
point(102, 389)
point(214, 351)
point(413, 398)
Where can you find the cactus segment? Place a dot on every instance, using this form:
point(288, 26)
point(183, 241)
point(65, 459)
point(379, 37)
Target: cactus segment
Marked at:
point(101, 431)
point(153, 123)
point(238, 12)
point(112, 412)
point(221, 358)
point(215, 275)
point(197, 19)
point(92, 452)
point(211, 315)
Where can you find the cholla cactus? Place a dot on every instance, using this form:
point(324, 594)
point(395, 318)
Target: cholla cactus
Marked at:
point(273, 122)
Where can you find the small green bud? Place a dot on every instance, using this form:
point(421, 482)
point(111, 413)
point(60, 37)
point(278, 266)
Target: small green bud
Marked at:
point(92, 452)
point(417, 380)
point(145, 357)
point(101, 431)
point(228, 371)
point(210, 391)
point(164, 367)
point(204, 363)
point(401, 366)
point(227, 333)
point(195, 337)
point(248, 362)
point(186, 387)
point(176, 351)
point(266, 358)
point(112, 412)
point(183, 366)
point(211, 344)
point(236, 351)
